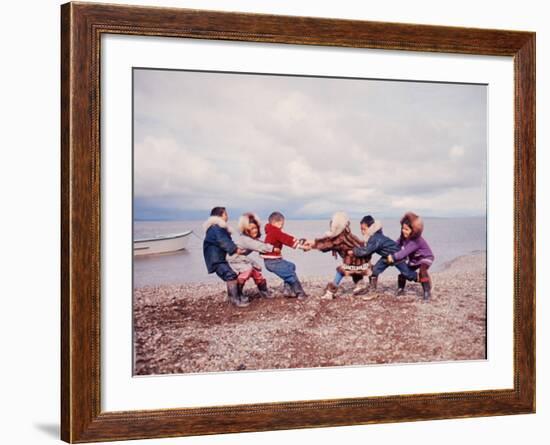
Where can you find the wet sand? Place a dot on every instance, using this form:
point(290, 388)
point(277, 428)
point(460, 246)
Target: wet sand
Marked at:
point(193, 328)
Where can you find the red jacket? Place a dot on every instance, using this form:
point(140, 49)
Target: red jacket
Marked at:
point(277, 238)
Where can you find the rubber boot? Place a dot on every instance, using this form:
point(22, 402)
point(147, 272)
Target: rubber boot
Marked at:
point(234, 294)
point(427, 288)
point(373, 282)
point(401, 282)
point(371, 294)
point(244, 299)
point(299, 290)
point(288, 292)
point(360, 288)
point(264, 291)
point(330, 291)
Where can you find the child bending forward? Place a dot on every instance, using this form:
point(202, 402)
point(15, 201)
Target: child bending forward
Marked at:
point(416, 251)
point(340, 240)
point(274, 261)
point(216, 246)
point(377, 242)
point(243, 265)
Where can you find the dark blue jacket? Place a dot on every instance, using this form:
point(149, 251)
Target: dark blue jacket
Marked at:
point(377, 243)
point(216, 246)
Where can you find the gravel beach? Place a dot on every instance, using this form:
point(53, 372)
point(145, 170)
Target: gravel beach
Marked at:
point(192, 328)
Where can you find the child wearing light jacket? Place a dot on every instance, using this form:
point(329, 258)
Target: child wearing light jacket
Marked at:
point(245, 266)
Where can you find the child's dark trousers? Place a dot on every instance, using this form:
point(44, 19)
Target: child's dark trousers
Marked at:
point(224, 271)
point(402, 266)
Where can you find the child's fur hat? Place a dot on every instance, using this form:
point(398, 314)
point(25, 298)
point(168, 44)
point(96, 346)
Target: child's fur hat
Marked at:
point(414, 222)
point(246, 219)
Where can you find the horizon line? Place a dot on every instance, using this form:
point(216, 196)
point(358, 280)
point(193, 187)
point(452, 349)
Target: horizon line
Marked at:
point(313, 219)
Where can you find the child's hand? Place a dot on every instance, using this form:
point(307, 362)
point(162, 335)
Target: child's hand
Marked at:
point(276, 250)
point(302, 244)
point(389, 259)
point(308, 245)
point(240, 251)
point(350, 252)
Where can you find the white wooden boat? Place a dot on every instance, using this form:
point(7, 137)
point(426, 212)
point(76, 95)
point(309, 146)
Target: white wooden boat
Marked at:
point(164, 244)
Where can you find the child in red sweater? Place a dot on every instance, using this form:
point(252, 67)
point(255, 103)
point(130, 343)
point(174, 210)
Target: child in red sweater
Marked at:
point(275, 263)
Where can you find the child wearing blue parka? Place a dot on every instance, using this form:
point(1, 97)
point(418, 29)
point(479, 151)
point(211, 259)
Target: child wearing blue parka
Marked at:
point(216, 246)
point(377, 242)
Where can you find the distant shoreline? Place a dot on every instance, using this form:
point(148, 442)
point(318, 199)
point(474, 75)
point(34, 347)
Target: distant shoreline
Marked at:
point(321, 218)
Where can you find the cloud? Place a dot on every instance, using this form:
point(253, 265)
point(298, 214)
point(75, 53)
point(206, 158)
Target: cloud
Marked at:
point(450, 202)
point(307, 146)
point(456, 152)
point(164, 167)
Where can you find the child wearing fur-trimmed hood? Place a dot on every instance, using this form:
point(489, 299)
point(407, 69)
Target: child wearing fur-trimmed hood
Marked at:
point(245, 266)
point(216, 246)
point(377, 242)
point(416, 251)
point(339, 240)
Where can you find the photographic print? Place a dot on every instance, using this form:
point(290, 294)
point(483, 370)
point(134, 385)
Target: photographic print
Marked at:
point(287, 222)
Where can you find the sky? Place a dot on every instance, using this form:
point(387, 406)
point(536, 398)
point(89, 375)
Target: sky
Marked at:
point(306, 146)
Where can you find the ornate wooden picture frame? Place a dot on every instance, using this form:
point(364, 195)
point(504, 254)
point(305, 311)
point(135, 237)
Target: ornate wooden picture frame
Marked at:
point(82, 25)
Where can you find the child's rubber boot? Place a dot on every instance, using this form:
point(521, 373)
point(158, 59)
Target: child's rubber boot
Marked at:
point(371, 295)
point(234, 294)
point(299, 290)
point(427, 290)
point(287, 291)
point(330, 291)
point(373, 283)
point(242, 296)
point(401, 282)
point(244, 299)
point(360, 288)
point(264, 291)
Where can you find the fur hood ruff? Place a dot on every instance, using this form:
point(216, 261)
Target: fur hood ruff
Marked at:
point(417, 225)
point(338, 223)
point(244, 222)
point(376, 226)
point(216, 221)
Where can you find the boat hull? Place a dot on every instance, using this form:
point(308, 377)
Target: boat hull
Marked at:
point(158, 246)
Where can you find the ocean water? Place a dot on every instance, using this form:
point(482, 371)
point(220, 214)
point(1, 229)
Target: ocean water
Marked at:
point(449, 238)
